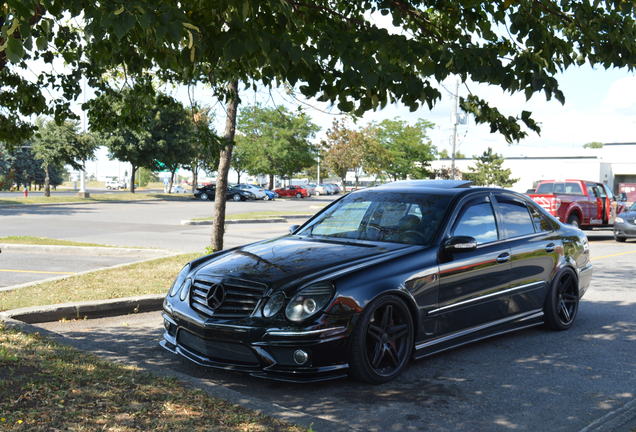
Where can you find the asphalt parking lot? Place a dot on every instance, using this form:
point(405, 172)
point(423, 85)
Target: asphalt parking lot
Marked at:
point(531, 380)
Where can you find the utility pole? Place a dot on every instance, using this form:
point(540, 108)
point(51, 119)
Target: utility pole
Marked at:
point(455, 122)
point(318, 176)
point(82, 191)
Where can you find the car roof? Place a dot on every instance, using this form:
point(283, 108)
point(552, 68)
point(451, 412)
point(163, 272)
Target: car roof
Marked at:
point(436, 187)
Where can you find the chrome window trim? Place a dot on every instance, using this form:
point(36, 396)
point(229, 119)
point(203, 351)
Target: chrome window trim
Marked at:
point(474, 299)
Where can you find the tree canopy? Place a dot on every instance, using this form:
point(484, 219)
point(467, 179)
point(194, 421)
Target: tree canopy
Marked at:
point(489, 171)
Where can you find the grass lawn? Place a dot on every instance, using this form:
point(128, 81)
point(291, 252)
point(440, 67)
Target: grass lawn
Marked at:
point(45, 386)
point(45, 241)
point(103, 197)
point(150, 277)
point(259, 215)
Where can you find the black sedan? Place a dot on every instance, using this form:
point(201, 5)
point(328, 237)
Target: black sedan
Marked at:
point(379, 277)
point(207, 192)
point(625, 225)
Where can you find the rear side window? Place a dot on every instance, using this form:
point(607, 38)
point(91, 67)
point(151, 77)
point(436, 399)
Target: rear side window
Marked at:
point(515, 219)
point(478, 221)
point(540, 222)
point(560, 188)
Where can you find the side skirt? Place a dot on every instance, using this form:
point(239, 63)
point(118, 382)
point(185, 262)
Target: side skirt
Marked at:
point(477, 333)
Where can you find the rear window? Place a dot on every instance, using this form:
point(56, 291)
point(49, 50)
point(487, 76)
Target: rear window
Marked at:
point(560, 188)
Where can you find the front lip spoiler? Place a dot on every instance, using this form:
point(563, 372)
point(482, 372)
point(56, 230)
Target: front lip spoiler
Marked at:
point(325, 373)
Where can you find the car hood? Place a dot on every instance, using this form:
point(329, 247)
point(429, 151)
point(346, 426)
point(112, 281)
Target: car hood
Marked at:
point(291, 261)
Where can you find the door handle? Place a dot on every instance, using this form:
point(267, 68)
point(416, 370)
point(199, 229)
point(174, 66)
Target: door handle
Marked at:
point(550, 247)
point(504, 257)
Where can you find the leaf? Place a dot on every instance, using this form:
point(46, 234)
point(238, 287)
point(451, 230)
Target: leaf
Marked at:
point(191, 27)
point(120, 10)
point(41, 43)
point(14, 50)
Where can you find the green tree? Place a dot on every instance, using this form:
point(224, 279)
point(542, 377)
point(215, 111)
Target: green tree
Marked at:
point(409, 150)
point(593, 145)
point(489, 171)
point(444, 154)
point(347, 149)
point(57, 145)
point(240, 157)
point(276, 141)
point(204, 142)
point(172, 130)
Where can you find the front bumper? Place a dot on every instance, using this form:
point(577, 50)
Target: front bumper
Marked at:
point(259, 351)
point(624, 229)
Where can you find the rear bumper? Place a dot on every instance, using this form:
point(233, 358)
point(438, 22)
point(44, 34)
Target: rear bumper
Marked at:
point(260, 352)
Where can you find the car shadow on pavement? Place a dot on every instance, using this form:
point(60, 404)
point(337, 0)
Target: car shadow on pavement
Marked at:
point(520, 381)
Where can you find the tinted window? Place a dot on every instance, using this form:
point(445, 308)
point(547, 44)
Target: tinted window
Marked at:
point(573, 188)
point(562, 188)
point(540, 222)
point(515, 219)
point(478, 221)
point(545, 188)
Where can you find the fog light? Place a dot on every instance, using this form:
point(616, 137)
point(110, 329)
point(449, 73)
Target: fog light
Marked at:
point(300, 357)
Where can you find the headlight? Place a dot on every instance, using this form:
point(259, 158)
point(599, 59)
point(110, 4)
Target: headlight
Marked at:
point(176, 285)
point(619, 219)
point(185, 289)
point(309, 301)
point(273, 305)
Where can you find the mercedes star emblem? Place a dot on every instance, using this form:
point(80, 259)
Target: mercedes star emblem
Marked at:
point(216, 295)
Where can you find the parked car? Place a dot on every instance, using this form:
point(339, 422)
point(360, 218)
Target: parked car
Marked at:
point(578, 202)
point(271, 195)
point(292, 191)
point(179, 189)
point(323, 189)
point(258, 192)
point(383, 275)
point(114, 184)
point(311, 188)
point(207, 192)
point(625, 224)
point(336, 188)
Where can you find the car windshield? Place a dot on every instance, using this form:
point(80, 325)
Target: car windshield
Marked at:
point(408, 218)
point(633, 207)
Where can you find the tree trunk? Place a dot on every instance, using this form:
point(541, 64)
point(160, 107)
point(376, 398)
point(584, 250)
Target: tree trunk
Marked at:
point(270, 186)
point(195, 176)
point(132, 179)
point(218, 228)
point(171, 180)
point(47, 181)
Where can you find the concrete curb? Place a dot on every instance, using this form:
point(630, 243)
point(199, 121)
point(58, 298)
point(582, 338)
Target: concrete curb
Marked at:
point(276, 219)
point(269, 408)
point(82, 250)
point(56, 278)
point(86, 309)
point(618, 420)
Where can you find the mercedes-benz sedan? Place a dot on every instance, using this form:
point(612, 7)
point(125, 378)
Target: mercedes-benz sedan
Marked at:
point(379, 277)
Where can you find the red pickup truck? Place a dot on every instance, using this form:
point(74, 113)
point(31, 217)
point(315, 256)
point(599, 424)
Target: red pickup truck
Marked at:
point(582, 203)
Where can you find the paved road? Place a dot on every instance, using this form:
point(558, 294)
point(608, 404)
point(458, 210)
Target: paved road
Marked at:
point(68, 192)
point(149, 224)
point(532, 380)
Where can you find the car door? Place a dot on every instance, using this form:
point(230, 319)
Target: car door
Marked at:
point(471, 281)
point(534, 249)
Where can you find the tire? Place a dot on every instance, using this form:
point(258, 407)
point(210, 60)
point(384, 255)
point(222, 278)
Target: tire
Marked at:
point(204, 197)
point(267, 198)
point(574, 220)
point(620, 239)
point(299, 195)
point(236, 197)
point(375, 357)
point(562, 302)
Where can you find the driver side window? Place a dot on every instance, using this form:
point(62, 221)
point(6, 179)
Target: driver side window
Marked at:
point(477, 220)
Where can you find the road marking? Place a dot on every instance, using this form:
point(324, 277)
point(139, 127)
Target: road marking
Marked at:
point(613, 255)
point(35, 271)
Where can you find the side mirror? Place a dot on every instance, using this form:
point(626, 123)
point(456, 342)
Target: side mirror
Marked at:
point(460, 244)
point(293, 228)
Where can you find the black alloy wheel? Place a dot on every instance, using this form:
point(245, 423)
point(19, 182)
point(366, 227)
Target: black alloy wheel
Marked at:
point(382, 341)
point(562, 303)
point(203, 196)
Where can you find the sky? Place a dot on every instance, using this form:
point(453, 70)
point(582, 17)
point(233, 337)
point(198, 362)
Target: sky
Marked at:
point(600, 106)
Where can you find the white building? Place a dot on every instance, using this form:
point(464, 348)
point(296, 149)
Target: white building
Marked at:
point(612, 164)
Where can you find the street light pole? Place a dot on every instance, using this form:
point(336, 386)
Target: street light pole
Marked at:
point(455, 121)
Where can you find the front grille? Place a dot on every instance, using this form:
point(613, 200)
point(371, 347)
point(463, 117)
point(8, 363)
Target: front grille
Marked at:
point(217, 350)
point(239, 298)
